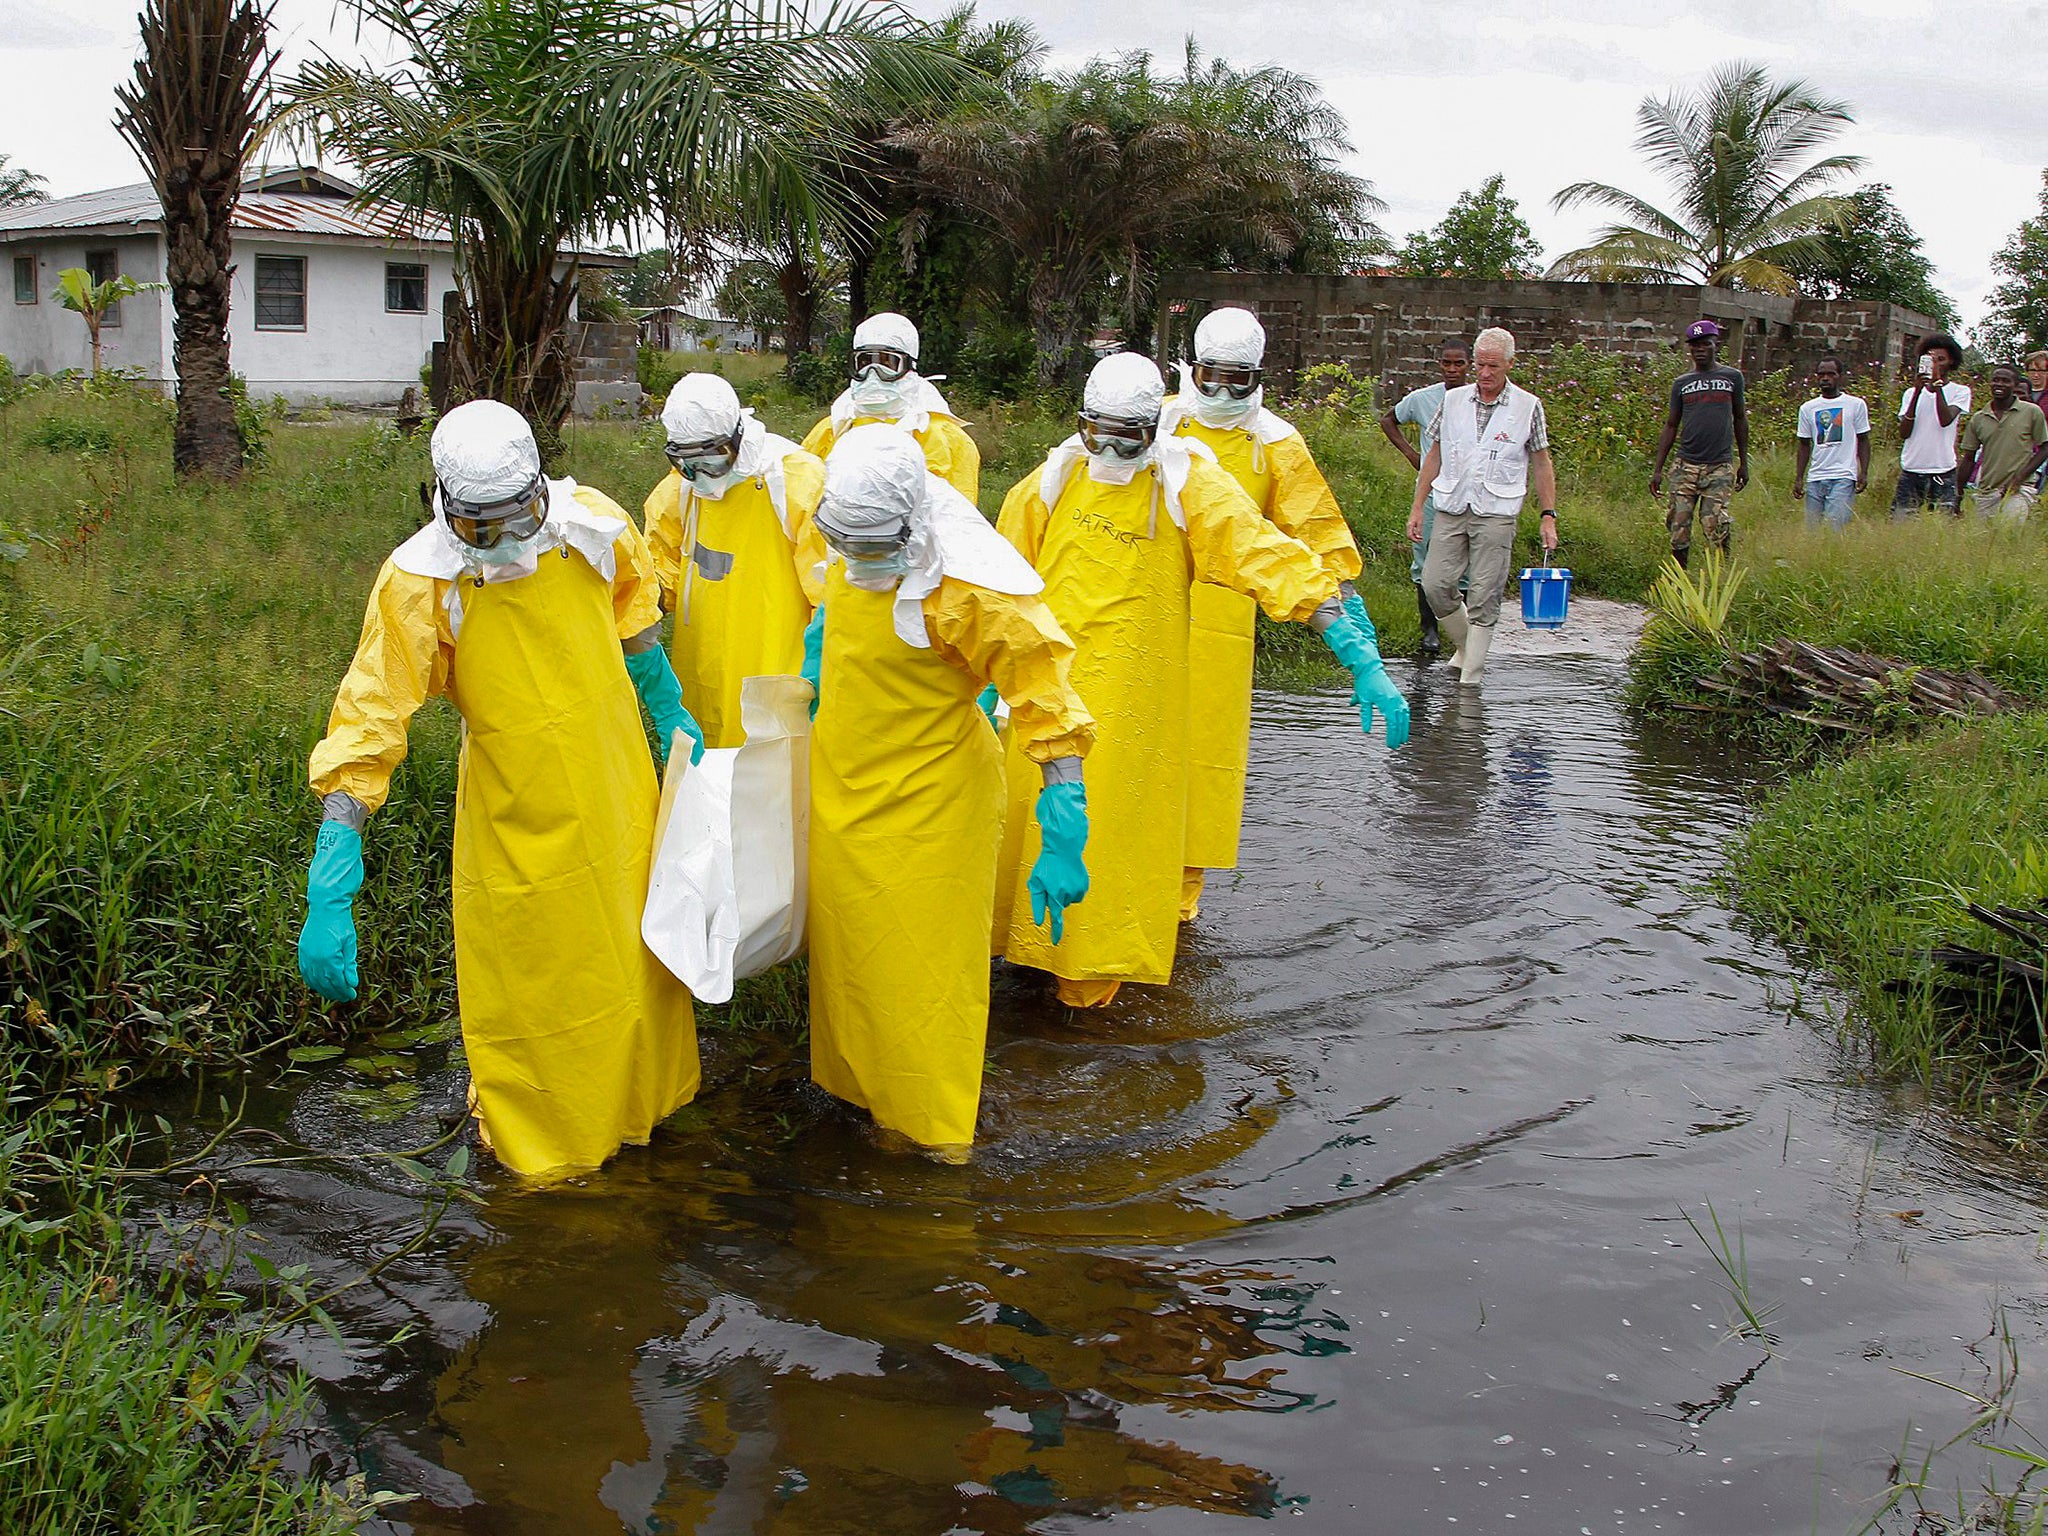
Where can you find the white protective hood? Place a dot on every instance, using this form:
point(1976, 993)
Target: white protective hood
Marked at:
point(436, 553)
point(1169, 457)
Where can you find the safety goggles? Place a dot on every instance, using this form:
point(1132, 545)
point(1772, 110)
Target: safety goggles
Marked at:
point(1121, 437)
point(482, 524)
point(708, 460)
point(1237, 380)
point(884, 363)
point(866, 543)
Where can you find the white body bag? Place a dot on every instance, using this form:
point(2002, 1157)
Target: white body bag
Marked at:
point(725, 896)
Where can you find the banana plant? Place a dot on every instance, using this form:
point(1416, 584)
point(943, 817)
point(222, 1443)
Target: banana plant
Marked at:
point(77, 292)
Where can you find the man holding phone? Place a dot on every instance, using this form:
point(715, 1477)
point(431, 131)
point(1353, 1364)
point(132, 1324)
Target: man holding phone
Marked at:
point(1928, 418)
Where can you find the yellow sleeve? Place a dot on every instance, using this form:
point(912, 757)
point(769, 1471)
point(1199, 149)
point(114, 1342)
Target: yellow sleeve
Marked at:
point(803, 481)
point(819, 439)
point(636, 590)
point(401, 661)
point(1304, 506)
point(951, 455)
point(662, 514)
point(1234, 546)
point(1023, 518)
point(1016, 644)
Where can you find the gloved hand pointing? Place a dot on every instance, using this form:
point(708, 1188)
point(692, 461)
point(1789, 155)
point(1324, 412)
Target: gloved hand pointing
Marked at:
point(655, 681)
point(327, 941)
point(1371, 688)
point(1059, 878)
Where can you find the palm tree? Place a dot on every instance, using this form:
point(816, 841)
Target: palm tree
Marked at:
point(1093, 181)
point(193, 115)
point(19, 185)
point(529, 124)
point(1747, 211)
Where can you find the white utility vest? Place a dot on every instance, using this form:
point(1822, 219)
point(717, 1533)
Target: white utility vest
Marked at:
point(1489, 477)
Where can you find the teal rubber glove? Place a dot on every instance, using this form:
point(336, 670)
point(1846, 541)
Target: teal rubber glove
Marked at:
point(987, 699)
point(327, 942)
point(1354, 607)
point(1059, 878)
point(814, 655)
point(655, 681)
point(1371, 688)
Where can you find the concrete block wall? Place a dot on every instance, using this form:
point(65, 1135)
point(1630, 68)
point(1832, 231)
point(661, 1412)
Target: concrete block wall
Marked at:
point(1389, 329)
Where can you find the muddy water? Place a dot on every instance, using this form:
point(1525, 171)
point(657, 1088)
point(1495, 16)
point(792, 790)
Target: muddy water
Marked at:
point(1372, 1222)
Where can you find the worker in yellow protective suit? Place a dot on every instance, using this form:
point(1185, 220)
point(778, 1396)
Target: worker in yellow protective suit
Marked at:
point(886, 386)
point(924, 605)
point(741, 567)
point(1222, 403)
point(530, 605)
point(1121, 522)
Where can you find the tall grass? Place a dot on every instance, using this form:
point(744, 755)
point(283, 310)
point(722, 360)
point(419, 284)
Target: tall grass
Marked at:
point(1863, 863)
point(132, 1397)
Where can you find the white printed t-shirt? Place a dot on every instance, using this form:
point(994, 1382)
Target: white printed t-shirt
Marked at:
point(1833, 426)
point(1930, 449)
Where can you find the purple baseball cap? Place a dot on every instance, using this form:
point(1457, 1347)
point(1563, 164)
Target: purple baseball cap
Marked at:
point(1700, 328)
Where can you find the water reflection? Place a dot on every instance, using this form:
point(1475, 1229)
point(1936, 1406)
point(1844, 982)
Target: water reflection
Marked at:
point(1375, 1210)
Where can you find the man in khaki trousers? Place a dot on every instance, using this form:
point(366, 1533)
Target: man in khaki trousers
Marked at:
point(1491, 446)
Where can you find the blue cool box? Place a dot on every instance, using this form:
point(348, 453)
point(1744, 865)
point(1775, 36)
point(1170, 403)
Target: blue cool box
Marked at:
point(1546, 597)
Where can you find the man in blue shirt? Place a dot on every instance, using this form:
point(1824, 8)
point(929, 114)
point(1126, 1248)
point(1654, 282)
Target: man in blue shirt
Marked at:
point(1420, 408)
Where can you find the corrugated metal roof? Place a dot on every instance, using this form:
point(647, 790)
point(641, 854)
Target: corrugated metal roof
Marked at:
point(292, 213)
point(295, 213)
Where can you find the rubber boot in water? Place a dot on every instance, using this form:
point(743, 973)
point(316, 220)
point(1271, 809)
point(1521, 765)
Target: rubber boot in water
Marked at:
point(1455, 626)
point(1431, 645)
point(1473, 660)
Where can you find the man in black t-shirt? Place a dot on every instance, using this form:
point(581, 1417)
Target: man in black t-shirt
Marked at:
point(1710, 424)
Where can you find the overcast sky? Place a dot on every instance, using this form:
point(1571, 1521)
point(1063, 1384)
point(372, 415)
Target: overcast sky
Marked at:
point(1439, 95)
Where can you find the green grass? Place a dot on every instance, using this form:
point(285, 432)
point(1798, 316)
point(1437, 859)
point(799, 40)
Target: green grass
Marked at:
point(133, 1401)
point(1861, 862)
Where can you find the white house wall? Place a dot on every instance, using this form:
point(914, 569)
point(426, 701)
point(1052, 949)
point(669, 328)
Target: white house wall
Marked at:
point(352, 350)
point(45, 337)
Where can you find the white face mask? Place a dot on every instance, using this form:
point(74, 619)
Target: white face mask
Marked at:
point(878, 397)
point(1221, 411)
point(504, 552)
point(877, 573)
point(1109, 469)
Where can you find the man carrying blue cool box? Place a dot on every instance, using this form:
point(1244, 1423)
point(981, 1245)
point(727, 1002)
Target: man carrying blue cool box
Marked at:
point(1491, 444)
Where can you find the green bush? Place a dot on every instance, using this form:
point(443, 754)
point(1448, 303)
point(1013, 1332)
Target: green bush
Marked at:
point(1863, 862)
point(62, 434)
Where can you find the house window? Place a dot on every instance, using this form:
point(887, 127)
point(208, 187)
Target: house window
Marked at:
point(24, 279)
point(405, 287)
point(280, 293)
point(104, 267)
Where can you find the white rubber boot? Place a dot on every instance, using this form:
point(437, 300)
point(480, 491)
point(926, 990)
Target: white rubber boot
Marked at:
point(1473, 661)
point(1454, 626)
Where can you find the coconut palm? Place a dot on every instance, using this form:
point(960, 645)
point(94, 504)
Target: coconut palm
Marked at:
point(1748, 209)
point(1094, 181)
point(193, 115)
point(529, 124)
point(19, 185)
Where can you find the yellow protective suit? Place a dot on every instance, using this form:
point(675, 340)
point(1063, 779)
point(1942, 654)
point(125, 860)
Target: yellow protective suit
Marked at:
point(1282, 479)
point(741, 580)
point(1118, 573)
point(906, 814)
point(949, 452)
point(577, 1038)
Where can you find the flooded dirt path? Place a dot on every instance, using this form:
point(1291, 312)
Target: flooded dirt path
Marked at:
point(1373, 1222)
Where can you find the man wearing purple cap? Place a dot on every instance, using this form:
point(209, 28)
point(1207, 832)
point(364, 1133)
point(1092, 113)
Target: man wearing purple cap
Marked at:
point(1713, 450)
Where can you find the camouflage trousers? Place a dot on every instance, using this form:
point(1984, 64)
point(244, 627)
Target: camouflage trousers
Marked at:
point(1700, 494)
